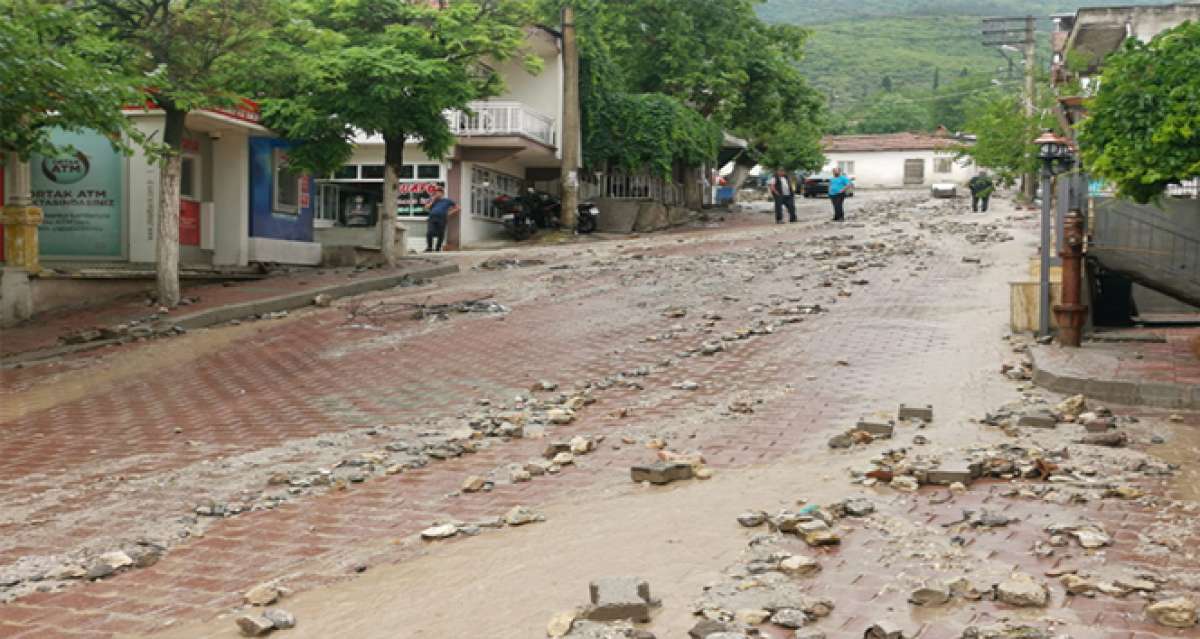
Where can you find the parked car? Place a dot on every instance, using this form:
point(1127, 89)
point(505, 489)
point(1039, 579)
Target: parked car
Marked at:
point(944, 190)
point(817, 185)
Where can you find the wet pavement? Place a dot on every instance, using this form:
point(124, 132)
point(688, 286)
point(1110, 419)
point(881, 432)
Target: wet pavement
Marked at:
point(113, 448)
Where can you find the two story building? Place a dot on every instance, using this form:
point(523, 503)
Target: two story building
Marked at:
point(503, 144)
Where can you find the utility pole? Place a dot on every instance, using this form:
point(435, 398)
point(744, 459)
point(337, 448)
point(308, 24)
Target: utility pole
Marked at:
point(1030, 92)
point(569, 141)
point(1008, 33)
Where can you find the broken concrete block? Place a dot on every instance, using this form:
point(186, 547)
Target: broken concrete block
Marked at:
point(752, 518)
point(876, 429)
point(1115, 439)
point(554, 448)
point(616, 598)
point(789, 618)
point(263, 594)
point(1038, 419)
point(953, 472)
point(560, 624)
point(661, 472)
point(915, 412)
point(1100, 425)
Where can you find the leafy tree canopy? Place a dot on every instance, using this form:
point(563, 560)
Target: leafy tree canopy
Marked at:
point(388, 67)
point(1005, 135)
point(58, 71)
point(1143, 129)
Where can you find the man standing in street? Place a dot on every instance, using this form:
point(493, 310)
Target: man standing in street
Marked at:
point(981, 190)
point(784, 195)
point(440, 209)
point(838, 187)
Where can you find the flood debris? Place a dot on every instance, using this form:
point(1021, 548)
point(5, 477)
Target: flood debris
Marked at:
point(620, 598)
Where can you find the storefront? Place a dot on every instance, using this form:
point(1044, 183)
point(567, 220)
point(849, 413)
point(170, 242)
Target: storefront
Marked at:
point(239, 202)
point(349, 203)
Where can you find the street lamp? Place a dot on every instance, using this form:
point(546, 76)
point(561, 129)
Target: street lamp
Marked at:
point(1055, 153)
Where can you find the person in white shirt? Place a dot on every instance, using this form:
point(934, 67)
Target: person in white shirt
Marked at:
point(783, 194)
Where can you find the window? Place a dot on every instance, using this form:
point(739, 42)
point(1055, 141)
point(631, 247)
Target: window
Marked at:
point(372, 172)
point(486, 185)
point(287, 184)
point(846, 168)
point(189, 184)
point(429, 172)
point(943, 165)
point(347, 172)
point(406, 172)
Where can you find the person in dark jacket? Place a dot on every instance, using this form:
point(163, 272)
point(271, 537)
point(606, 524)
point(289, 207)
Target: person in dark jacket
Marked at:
point(982, 188)
point(440, 208)
point(783, 194)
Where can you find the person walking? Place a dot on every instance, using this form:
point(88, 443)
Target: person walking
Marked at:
point(839, 186)
point(982, 188)
point(784, 195)
point(440, 208)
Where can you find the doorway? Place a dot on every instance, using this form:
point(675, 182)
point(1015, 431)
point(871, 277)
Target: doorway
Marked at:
point(914, 172)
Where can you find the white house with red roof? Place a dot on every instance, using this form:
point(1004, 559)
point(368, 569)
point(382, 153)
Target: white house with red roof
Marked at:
point(899, 160)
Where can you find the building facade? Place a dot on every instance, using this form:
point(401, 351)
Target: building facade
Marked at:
point(502, 145)
point(898, 160)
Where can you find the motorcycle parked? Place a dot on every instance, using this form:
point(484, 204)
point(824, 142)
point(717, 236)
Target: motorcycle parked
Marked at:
point(514, 214)
point(587, 216)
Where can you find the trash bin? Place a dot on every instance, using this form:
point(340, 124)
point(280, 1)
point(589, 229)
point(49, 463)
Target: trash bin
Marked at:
point(724, 195)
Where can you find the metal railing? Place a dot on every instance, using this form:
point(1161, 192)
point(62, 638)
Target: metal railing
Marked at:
point(503, 118)
point(618, 185)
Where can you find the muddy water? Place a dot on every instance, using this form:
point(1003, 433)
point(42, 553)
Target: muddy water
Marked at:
point(1182, 448)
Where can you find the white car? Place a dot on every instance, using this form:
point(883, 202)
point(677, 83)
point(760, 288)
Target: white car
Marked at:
point(944, 189)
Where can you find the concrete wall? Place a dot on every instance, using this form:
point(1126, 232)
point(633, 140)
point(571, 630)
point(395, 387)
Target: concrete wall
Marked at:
point(639, 216)
point(541, 92)
point(141, 200)
point(885, 169)
point(231, 199)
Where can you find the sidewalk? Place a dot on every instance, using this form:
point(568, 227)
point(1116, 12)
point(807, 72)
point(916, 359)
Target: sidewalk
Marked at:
point(213, 303)
point(1163, 371)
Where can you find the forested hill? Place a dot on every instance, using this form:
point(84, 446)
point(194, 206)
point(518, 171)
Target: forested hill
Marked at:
point(858, 49)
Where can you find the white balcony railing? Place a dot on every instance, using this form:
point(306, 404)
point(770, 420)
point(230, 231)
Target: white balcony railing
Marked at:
point(619, 185)
point(503, 118)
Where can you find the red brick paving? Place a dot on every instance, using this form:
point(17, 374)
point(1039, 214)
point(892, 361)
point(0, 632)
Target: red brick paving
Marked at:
point(284, 384)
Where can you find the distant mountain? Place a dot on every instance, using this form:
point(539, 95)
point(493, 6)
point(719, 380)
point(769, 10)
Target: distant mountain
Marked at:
point(858, 48)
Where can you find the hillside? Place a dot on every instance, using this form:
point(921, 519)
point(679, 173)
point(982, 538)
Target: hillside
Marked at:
point(854, 46)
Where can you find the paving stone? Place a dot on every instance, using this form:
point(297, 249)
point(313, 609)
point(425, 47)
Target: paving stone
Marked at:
point(661, 472)
point(1038, 419)
point(952, 472)
point(876, 429)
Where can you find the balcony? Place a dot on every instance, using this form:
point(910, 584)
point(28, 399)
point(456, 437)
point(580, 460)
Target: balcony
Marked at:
point(504, 119)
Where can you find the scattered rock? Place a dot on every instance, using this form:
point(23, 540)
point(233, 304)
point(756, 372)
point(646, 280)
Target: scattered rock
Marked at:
point(263, 594)
point(1114, 439)
point(1073, 406)
point(444, 531)
point(661, 472)
point(915, 412)
point(280, 618)
point(884, 630)
point(930, 595)
point(324, 300)
point(799, 565)
point(520, 515)
point(473, 484)
point(904, 483)
point(1022, 590)
point(1179, 612)
point(789, 618)
point(254, 625)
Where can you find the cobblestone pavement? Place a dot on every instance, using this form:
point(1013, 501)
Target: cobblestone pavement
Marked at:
point(112, 448)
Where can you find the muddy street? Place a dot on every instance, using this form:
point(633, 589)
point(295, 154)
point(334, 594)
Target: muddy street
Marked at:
point(457, 457)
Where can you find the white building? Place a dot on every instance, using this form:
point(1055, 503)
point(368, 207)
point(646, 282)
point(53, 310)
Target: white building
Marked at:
point(503, 144)
point(897, 160)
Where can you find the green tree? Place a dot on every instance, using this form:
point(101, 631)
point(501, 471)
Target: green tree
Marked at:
point(57, 71)
point(1004, 135)
point(952, 107)
point(391, 68)
point(192, 52)
point(715, 57)
point(1143, 129)
point(886, 84)
point(893, 113)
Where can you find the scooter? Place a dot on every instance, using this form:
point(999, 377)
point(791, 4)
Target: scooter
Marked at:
point(587, 216)
point(515, 217)
point(546, 211)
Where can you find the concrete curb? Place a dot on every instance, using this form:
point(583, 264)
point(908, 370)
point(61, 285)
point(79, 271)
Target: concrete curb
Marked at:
point(1129, 393)
point(242, 310)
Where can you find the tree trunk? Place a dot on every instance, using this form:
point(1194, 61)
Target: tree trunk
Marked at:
point(167, 245)
point(569, 139)
point(393, 159)
point(735, 179)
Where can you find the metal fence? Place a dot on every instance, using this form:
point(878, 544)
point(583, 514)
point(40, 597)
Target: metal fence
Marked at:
point(618, 185)
point(503, 118)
